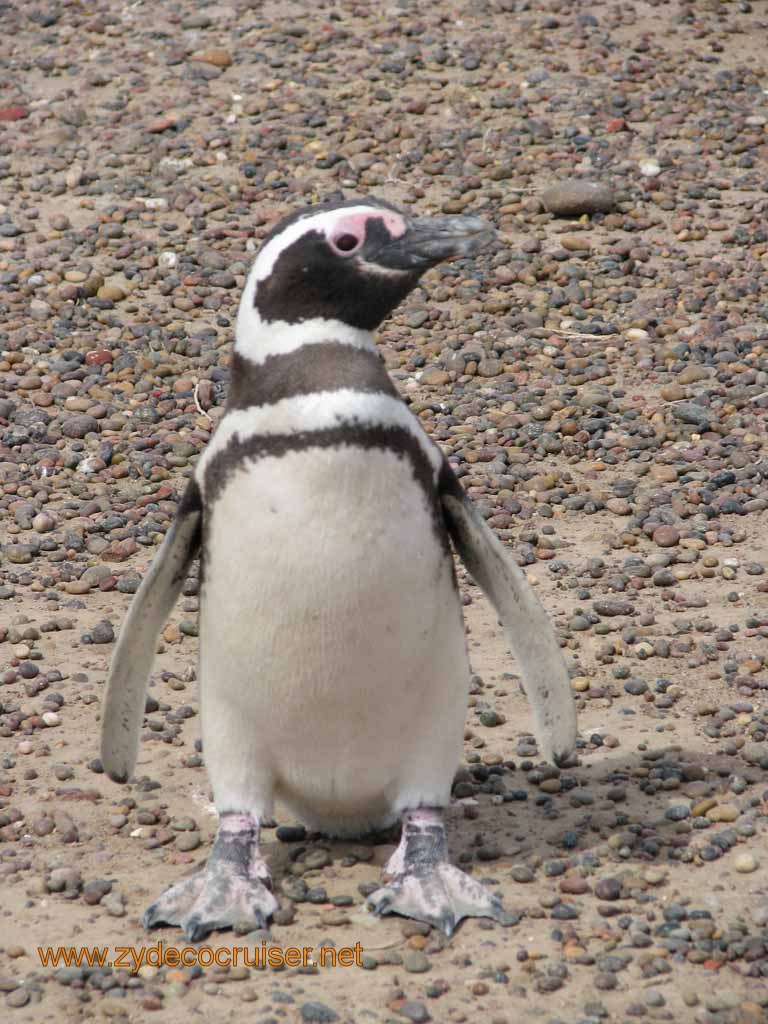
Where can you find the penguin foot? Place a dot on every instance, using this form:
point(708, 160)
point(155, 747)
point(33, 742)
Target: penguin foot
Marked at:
point(234, 887)
point(422, 884)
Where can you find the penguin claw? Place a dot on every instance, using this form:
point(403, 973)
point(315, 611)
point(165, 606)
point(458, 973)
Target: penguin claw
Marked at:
point(148, 919)
point(194, 929)
point(197, 925)
point(175, 903)
point(447, 924)
point(380, 907)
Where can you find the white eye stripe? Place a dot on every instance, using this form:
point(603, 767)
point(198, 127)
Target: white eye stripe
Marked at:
point(323, 222)
point(256, 338)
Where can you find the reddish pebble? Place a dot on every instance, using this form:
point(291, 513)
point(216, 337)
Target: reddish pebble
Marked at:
point(120, 550)
point(163, 123)
point(574, 886)
point(13, 113)
point(98, 357)
point(665, 536)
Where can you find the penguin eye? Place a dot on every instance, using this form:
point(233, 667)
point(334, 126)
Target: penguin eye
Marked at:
point(346, 243)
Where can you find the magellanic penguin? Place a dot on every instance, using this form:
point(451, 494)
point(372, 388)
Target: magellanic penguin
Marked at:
point(333, 666)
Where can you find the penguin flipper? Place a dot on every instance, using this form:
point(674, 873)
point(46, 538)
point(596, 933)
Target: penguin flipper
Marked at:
point(527, 626)
point(124, 699)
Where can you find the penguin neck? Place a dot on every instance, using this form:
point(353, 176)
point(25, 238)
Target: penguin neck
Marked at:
point(257, 340)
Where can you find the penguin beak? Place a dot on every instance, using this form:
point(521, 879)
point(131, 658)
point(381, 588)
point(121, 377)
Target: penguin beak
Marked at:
point(430, 240)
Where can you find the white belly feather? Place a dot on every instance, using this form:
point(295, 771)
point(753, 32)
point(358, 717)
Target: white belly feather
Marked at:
point(333, 665)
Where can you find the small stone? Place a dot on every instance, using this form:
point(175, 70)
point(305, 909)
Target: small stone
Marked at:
point(291, 833)
point(216, 56)
point(18, 998)
point(636, 687)
point(649, 167)
point(114, 904)
point(93, 892)
point(43, 523)
point(416, 962)
point(318, 1013)
point(550, 786)
point(163, 123)
point(689, 412)
point(103, 633)
point(434, 377)
point(18, 554)
point(692, 373)
point(412, 1011)
point(14, 112)
point(490, 719)
point(98, 357)
point(608, 889)
point(573, 197)
point(754, 753)
point(574, 886)
point(665, 536)
point(113, 292)
point(619, 506)
point(745, 863)
point(723, 812)
point(188, 841)
point(575, 243)
point(79, 426)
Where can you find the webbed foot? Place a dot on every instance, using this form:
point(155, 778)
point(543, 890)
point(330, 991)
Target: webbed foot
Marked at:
point(420, 882)
point(233, 887)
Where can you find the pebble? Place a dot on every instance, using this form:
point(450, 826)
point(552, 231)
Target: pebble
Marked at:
point(745, 863)
point(723, 812)
point(415, 962)
point(217, 56)
point(317, 1013)
point(18, 998)
point(188, 841)
point(102, 633)
point(666, 536)
point(572, 197)
point(607, 889)
point(599, 384)
point(411, 1010)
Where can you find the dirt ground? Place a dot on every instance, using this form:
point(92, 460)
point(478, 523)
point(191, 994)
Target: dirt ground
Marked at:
point(548, 964)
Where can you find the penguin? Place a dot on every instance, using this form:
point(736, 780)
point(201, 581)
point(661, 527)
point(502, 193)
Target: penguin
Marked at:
point(332, 663)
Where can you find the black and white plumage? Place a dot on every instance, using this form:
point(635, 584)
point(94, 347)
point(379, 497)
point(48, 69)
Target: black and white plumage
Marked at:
point(333, 666)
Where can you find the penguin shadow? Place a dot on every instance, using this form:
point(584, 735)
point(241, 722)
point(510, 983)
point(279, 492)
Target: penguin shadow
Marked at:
point(604, 794)
point(509, 820)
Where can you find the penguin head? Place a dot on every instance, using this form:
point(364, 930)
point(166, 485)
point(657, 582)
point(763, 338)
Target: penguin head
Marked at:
point(350, 263)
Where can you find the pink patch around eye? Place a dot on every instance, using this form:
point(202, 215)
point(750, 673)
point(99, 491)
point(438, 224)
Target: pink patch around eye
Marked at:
point(355, 224)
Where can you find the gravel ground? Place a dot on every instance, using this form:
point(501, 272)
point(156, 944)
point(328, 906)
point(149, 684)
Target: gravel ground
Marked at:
point(600, 381)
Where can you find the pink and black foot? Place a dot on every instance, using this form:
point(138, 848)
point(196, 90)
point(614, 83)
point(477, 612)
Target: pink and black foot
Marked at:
point(233, 888)
point(421, 883)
